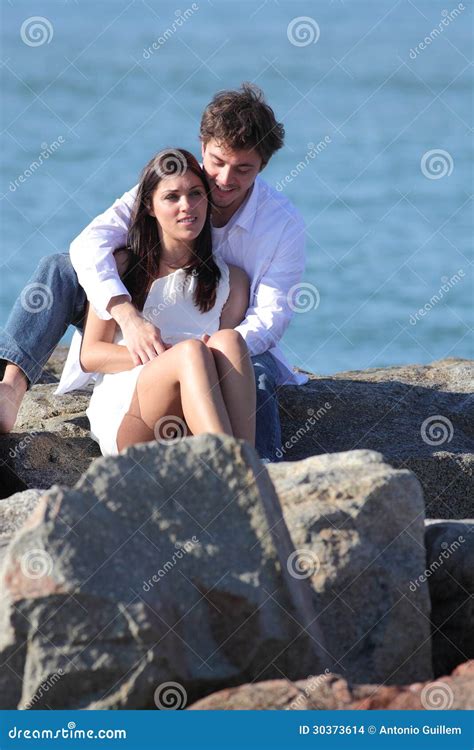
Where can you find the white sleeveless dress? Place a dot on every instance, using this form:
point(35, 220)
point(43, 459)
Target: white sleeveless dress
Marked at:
point(169, 306)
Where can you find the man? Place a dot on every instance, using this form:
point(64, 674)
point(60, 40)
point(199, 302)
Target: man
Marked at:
point(254, 227)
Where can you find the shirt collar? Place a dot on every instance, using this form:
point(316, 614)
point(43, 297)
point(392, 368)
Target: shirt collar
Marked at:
point(246, 217)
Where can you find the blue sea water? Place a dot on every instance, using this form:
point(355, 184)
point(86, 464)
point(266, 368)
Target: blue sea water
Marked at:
point(389, 222)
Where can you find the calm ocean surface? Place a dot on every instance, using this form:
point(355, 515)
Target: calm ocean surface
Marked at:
point(389, 224)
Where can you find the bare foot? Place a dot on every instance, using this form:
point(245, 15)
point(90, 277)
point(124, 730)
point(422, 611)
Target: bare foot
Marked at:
point(12, 390)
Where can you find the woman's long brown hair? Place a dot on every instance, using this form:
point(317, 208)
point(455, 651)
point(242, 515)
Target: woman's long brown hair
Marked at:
point(143, 241)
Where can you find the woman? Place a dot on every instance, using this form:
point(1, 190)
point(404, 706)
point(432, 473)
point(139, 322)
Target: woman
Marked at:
point(204, 380)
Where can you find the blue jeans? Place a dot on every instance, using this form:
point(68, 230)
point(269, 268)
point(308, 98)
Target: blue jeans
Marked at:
point(53, 299)
point(268, 433)
point(49, 303)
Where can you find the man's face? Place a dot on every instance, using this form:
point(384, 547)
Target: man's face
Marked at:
point(230, 173)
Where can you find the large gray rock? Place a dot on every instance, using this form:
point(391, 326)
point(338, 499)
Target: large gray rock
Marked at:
point(167, 563)
point(419, 417)
point(450, 574)
point(103, 605)
point(15, 509)
point(359, 527)
point(51, 443)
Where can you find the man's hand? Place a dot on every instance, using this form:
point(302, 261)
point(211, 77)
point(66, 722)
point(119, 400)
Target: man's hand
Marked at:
point(142, 339)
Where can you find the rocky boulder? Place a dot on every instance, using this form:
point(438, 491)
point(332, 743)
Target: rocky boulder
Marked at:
point(329, 692)
point(418, 417)
point(358, 526)
point(174, 564)
point(167, 563)
point(450, 575)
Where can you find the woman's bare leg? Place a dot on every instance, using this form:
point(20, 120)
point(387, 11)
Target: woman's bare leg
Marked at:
point(237, 381)
point(182, 382)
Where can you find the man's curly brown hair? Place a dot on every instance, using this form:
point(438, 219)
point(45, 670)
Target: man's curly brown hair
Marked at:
point(242, 120)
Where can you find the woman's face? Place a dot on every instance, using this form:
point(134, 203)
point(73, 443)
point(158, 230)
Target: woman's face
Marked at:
point(179, 205)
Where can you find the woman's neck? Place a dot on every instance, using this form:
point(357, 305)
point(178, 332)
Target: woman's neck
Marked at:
point(175, 254)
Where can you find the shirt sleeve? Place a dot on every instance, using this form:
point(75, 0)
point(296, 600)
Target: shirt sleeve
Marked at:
point(92, 254)
point(270, 311)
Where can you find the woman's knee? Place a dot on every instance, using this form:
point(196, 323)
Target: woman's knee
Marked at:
point(227, 338)
point(192, 349)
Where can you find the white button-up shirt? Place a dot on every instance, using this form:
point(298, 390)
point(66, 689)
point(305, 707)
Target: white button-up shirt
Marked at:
point(266, 237)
